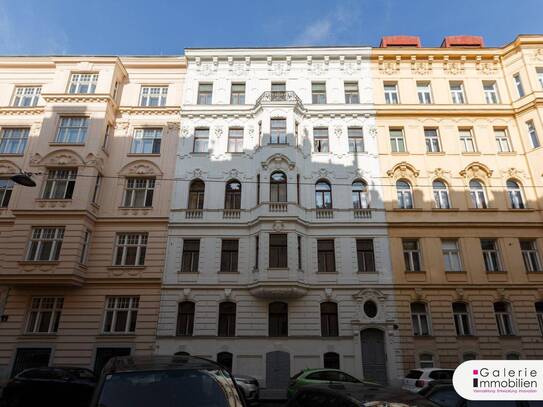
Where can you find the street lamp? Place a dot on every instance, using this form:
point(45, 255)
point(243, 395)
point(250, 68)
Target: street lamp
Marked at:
point(24, 178)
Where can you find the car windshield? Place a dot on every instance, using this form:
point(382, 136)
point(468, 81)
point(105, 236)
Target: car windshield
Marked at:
point(170, 388)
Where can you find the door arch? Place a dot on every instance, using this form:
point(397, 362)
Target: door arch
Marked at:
point(374, 361)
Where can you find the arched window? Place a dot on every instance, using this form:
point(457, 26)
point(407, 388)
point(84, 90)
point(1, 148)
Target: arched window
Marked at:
point(185, 318)
point(405, 195)
point(225, 360)
point(441, 195)
point(514, 191)
point(323, 195)
point(331, 360)
point(469, 356)
point(227, 319)
point(232, 196)
point(462, 320)
point(278, 319)
point(329, 319)
point(504, 319)
point(360, 195)
point(477, 193)
point(426, 361)
point(196, 194)
point(419, 318)
point(278, 187)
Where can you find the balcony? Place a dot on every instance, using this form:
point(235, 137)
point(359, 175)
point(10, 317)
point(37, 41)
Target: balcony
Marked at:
point(324, 213)
point(362, 213)
point(278, 206)
point(43, 273)
point(279, 97)
point(194, 214)
point(277, 283)
point(231, 213)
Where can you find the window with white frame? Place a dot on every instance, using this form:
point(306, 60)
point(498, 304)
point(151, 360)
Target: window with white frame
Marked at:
point(539, 314)
point(351, 93)
point(462, 320)
point(411, 254)
point(420, 319)
point(146, 141)
point(45, 244)
point(318, 93)
point(391, 93)
point(539, 73)
point(404, 194)
point(201, 140)
point(130, 249)
point(504, 319)
point(478, 194)
point(6, 188)
point(518, 85)
point(360, 194)
point(237, 94)
point(139, 192)
point(491, 255)
point(85, 247)
point(72, 130)
point(491, 92)
point(26, 96)
point(152, 96)
point(278, 131)
point(530, 255)
point(191, 256)
point(457, 93)
point(60, 183)
point(502, 140)
point(83, 83)
point(355, 137)
point(44, 315)
point(441, 195)
point(121, 314)
point(532, 134)
point(205, 93)
point(320, 139)
point(515, 195)
point(235, 140)
point(432, 140)
point(426, 361)
point(397, 141)
point(424, 92)
point(467, 141)
point(451, 255)
point(13, 140)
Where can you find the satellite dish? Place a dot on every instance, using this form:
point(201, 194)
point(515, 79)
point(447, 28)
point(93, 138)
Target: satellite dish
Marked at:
point(23, 178)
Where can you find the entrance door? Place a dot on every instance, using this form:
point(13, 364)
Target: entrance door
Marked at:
point(373, 355)
point(26, 358)
point(277, 370)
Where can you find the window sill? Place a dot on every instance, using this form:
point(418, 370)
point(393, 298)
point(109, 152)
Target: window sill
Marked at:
point(507, 153)
point(373, 272)
point(512, 336)
point(116, 334)
point(39, 262)
point(471, 153)
point(455, 271)
point(423, 336)
point(12, 154)
point(407, 209)
point(34, 335)
point(127, 208)
point(143, 155)
point(125, 267)
point(227, 272)
point(446, 209)
point(277, 144)
point(235, 152)
point(435, 153)
point(415, 271)
point(55, 144)
point(496, 272)
point(535, 272)
point(277, 268)
point(461, 337)
point(187, 272)
point(53, 200)
point(327, 272)
point(483, 209)
point(197, 153)
point(399, 152)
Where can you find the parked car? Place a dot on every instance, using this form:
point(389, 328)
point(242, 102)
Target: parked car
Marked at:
point(250, 387)
point(50, 386)
point(417, 379)
point(166, 381)
point(355, 395)
point(317, 376)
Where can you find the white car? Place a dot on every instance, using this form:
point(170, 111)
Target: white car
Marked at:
point(417, 379)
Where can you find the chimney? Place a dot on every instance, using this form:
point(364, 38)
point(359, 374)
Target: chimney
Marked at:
point(463, 41)
point(400, 41)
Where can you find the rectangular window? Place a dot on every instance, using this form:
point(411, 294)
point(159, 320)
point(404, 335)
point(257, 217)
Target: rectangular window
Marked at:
point(96, 191)
point(278, 131)
point(6, 188)
point(278, 251)
point(146, 141)
point(201, 140)
point(26, 96)
point(432, 141)
point(130, 249)
point(13, 140)
point(235, 140)
point(152, 96)
point(60, 183)
point(420, 319)
point(411, 254)
point(462, 321)
point(278, 91)
point(44, 315)
point(532, 133)
point(397, 141)
point(491, 92)
point(518, 84)
point(425, 92)
point(320, 139)
point(107, 136)
point(457, 93)
point(83, 83)
point(502, 140)
point(530, 255)
point(318, 93)
point(391, 93)
point(257, 251)
point(120, 315)
point(205, 93)
point(85, 247)
point(139, 192)
point(539, 72)
point(351, 93)
point(72, 130)
point(356, 139)
point(451, 255)
point(467, 141)
point(191, 256)
point(299, 252)
point(229, 255)
point(491, 255)
point(45, 244)
point(237, 95)
point(326, 256)
point(365, 255)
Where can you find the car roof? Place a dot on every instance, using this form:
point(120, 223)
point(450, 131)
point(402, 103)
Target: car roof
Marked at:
point(149, 363)
point(363, 391)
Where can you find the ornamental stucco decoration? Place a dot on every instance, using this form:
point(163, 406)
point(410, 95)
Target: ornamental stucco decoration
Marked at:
point(372, 131)
point(389, 67)
point(440, 173)
point(218, 132)
point(278, 226)
point(538, 54)
point(185, 131)
point(403, 170)
point(486, 67)
point(476, 170)
point(35, 130)
point(278, 161)
point(513, 173)
point(421, 67)
point(7, 167)
point(454, 67)
point(338, 131)
point(61, 158)
point(197, 173)
point(140, 167)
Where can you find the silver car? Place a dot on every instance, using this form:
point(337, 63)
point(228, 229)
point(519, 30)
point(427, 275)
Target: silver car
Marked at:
point(250, 387)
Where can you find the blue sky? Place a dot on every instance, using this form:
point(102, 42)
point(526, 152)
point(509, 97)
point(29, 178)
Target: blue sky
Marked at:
point(166, 27)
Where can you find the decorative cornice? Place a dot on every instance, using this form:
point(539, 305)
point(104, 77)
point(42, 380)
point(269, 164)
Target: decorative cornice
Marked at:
point(150, 111)
point(77, 98)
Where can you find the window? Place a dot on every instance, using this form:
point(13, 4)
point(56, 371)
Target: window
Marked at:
point(146, 141)
point(45, 244)
point(365, 255)
point(411, 254)
point(329, 319)
point(331, 360)
point(457, 93)
point(139, 192)
point(83, 83)
point(153, 96)
point(6, 188)
point(451, 255)
point(467, 141)
point(502, 140)
point(201, 140)
point(205, 93)
point(426, 361)
point(514, 192)
point(191, 256)
point(325, 256)
point(432, 141)
point(504, 320)
point(425, 92)
point(539, 313)
point(356, 139)
point(185, 318)
point(469, 356)
point(318, 93)
point(299, 247)
point(539, 73)
point(530, 255)
point(512, 356)
point(278, 319)
point(323, 195)
point(360, 195)
point(419, 318)
point(130, 249)
point(257, 252)
point(477, 194)
point(225, 359)
point(441, 195)
point(227, 319)
point(229, 255)
point(532, 133)
point(518, 84)
point(235, 140)
point(72, 130)
point(60, 183)
point(278, 131)
point(96, 190)
point(237, 94)
point(491, 255)
point(462, 319)
point(404, 194)
point(44, 315)
point(232, 196)
point(278, 91)
point(26, 96)
point(13, 140)
point(278, 187)
point(107, 137)
point(397, 141)
point(391, 93)
point(121, 315)
point(320, 140)
point(85, 247)
point(491, 92)
point(351, 93)
point(278, 251)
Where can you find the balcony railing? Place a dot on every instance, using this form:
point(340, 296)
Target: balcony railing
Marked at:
point(231, 213)
point(324, 213)
point(194, 213)
point(362, 213)
point(278, 206)
point(279, 96)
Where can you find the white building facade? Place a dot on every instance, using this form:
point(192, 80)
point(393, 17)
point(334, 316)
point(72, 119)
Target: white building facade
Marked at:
point(277, 253)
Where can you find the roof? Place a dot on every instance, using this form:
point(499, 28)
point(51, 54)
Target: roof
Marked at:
point(149, 363)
